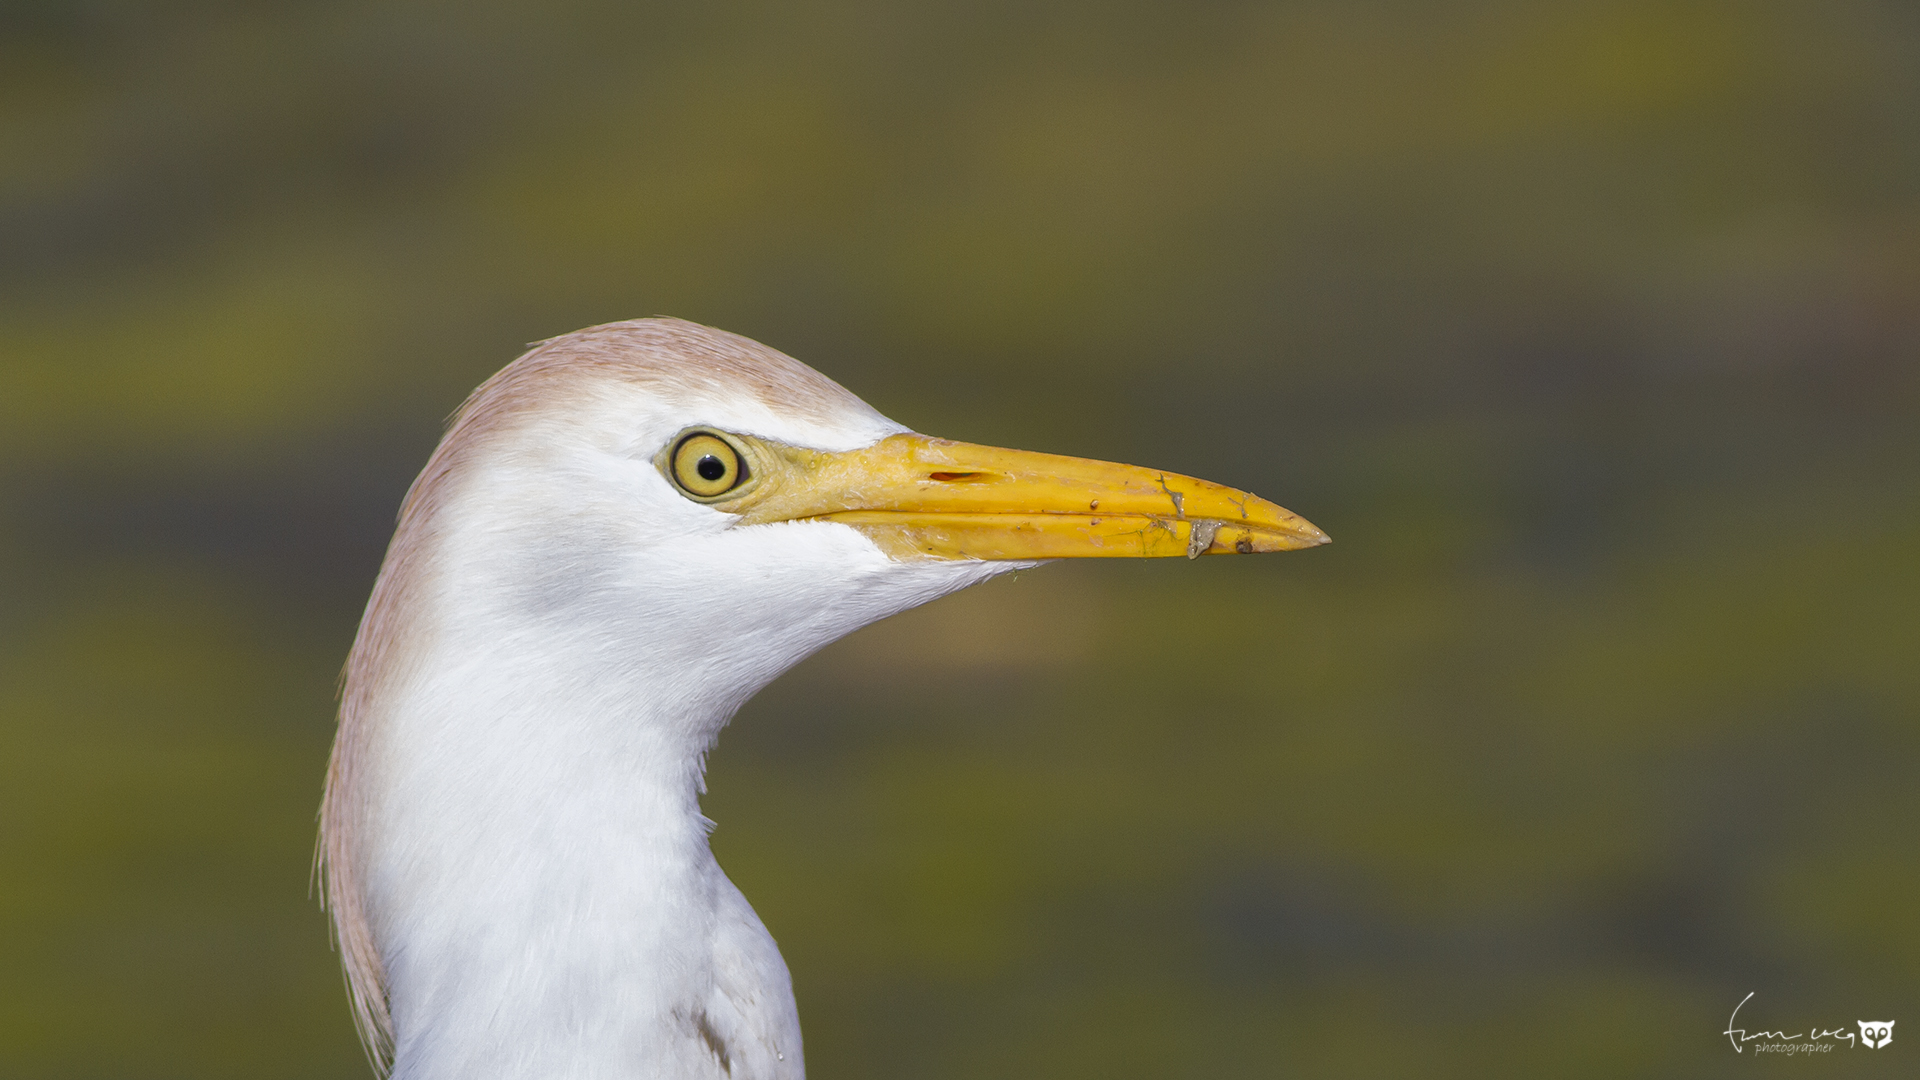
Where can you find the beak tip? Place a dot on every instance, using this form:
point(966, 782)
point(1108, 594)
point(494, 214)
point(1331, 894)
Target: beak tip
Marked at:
point(1292, 535)
point(1304, 533)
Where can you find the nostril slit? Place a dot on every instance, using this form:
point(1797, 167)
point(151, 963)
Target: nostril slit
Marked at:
point(952, 475)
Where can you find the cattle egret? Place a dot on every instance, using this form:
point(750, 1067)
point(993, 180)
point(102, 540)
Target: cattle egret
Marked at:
point(625, 534)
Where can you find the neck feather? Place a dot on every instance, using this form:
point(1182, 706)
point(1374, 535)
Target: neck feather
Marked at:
point(516, 859)
point(538, 878)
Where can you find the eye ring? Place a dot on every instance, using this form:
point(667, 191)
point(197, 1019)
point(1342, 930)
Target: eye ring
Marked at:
point(706, 466)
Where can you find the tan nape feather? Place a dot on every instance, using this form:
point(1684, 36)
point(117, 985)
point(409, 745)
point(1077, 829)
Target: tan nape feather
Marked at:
point(668, 353)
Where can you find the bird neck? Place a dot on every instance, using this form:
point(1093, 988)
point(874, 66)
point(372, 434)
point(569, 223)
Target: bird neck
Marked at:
point(521, 811)
point(542, 886)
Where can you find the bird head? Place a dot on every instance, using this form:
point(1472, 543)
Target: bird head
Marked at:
point(664, 489)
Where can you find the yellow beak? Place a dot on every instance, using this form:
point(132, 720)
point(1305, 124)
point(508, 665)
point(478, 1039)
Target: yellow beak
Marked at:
point(917, 496)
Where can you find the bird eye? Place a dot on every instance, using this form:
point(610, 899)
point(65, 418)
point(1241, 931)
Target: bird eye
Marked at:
point(706, 467)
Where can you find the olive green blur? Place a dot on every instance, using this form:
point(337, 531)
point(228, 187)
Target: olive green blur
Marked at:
point(1589, 329)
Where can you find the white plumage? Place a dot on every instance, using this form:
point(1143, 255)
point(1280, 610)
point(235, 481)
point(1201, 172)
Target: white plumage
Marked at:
point(516, 861)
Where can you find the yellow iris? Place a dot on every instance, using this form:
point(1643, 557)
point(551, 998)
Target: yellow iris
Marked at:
point(706, 467)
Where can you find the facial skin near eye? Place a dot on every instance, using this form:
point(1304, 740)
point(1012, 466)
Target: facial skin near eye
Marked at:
point(705, 466)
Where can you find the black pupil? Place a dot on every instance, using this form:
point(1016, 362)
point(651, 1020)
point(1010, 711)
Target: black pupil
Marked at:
point(710, 468)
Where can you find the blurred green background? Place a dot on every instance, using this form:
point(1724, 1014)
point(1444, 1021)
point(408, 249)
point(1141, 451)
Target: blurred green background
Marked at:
point(1588, 328)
